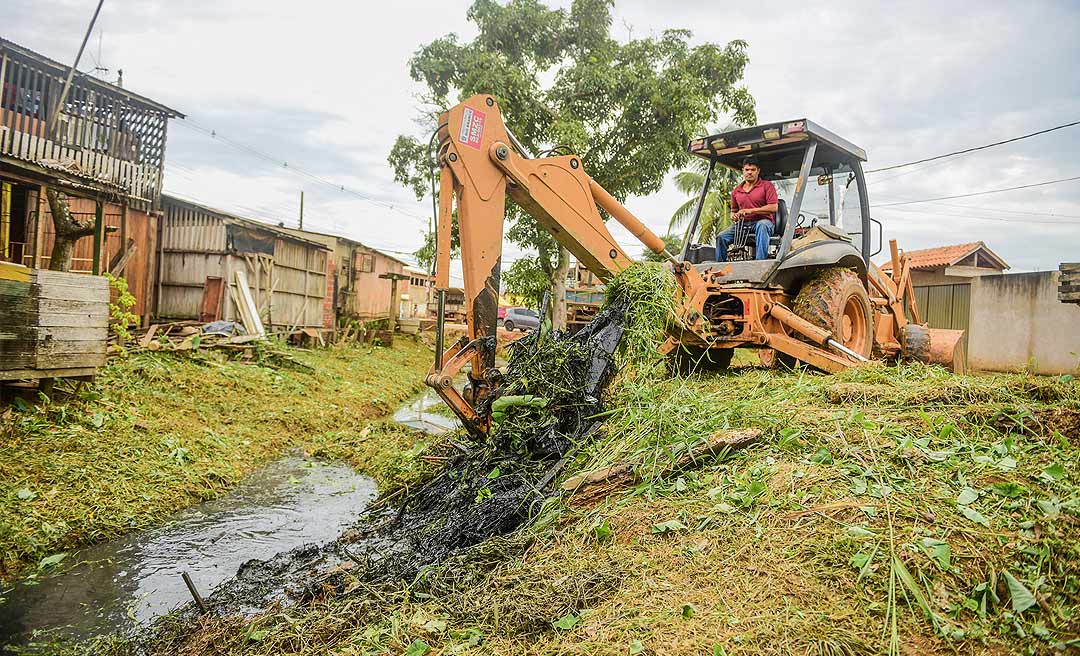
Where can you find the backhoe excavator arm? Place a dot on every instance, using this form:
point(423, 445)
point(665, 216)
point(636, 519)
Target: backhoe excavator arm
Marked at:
point(481, 164)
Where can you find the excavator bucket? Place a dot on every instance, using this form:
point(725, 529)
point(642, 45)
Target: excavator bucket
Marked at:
point(947, 349)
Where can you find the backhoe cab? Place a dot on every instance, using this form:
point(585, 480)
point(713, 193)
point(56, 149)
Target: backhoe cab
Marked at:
point(817, 299)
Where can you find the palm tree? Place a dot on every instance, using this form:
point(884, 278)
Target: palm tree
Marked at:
point(716, 211)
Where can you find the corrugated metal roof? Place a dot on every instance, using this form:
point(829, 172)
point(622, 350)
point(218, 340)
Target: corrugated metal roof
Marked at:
point(232, 218)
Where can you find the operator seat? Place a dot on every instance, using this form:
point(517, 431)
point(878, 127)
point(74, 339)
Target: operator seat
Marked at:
point(780, 225)
point(699, 253)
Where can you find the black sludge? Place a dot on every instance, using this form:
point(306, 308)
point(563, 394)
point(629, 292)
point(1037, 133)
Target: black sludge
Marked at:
point(484, 490)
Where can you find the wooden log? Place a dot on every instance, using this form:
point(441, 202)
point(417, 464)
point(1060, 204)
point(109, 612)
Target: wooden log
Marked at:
point(591, 486)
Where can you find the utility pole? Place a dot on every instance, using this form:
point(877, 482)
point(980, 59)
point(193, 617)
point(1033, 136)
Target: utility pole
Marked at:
point(301, 209)
point(55, 115)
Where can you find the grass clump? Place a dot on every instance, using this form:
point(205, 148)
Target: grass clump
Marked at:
point(160, 432)
point(649, 291)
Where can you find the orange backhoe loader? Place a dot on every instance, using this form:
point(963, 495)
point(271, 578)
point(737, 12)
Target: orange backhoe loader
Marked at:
point(815, 298)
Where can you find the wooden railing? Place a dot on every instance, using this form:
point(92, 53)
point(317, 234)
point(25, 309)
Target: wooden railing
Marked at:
point(101, 134)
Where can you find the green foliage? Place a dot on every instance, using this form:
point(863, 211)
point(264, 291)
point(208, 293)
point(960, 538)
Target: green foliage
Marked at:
point(527, 281)
point(628, 108)
point(673, 244)
point(566, 622)
point(649, 290)
point(120, 315)
point(715, 211)
point(159, 432)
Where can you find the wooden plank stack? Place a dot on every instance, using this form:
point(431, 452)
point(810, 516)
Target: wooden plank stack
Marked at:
point(53, 325)
point(1069, 283)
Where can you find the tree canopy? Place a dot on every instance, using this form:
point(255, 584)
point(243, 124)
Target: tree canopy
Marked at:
point(628, 108)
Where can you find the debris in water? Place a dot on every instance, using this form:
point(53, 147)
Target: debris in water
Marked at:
point(549, 406)
point(485, 490)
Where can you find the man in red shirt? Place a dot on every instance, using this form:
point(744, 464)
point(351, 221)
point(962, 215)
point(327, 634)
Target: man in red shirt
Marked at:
point(753, 207)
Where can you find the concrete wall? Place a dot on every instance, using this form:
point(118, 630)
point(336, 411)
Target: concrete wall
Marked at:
point(1017, 320)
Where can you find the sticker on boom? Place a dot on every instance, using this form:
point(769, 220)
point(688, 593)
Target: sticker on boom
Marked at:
point(472, 128)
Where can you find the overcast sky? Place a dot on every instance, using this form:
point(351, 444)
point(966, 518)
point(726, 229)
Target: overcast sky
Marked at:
point(324, 86)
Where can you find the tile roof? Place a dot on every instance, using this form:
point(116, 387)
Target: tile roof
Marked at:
point(943, 256)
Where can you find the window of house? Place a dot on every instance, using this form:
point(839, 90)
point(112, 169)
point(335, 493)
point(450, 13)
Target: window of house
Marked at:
point(367, 263)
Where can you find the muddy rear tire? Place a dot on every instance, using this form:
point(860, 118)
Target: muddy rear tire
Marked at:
point(835, 299)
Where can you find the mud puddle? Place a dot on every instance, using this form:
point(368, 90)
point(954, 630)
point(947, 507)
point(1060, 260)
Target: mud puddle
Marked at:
point(421, 414)
point(126, 583)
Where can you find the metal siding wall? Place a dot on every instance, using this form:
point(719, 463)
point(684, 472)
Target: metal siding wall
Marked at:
point(944, 306)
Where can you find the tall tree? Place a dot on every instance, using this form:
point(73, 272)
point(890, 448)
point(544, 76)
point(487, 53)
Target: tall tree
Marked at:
point(627, 108)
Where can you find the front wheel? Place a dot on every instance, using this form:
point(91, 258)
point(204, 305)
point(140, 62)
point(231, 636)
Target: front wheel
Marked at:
point(836, 300)
point(509, 325)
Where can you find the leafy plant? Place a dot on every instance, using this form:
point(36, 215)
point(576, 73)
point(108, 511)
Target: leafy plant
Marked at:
point(120, 316)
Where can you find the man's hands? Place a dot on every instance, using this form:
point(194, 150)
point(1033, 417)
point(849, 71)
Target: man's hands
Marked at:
point(754, 213)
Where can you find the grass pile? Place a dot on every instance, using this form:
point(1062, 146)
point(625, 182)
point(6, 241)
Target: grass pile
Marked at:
point(159, 432)
point(649, 291)
point(925, 521)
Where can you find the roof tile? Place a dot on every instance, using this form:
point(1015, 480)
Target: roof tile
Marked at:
point(930, 258)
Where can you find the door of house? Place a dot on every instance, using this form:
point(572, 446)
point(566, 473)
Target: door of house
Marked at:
point(15, 233)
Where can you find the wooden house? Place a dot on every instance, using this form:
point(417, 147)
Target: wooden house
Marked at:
point(105, 152)
point(207, 253)
point(418, 299)
point(358, 290)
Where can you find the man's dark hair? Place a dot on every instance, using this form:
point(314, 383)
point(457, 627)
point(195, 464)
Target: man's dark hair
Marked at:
point(753, 161)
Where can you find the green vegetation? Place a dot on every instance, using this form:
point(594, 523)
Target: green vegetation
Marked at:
point(121, 318)
point(159, 432)
point(898, 510)
point(568, 79)
point(902, 510)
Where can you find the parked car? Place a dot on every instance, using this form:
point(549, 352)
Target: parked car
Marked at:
point(520, 318)
point(502, 312)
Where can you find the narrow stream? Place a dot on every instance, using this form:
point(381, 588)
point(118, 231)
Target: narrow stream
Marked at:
point(129, 581)
point(126, 583)
point(419, 414)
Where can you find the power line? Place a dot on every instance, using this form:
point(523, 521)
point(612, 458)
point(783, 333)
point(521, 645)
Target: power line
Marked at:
point(971, 150)
point(979, 193)
point(995, 209)
point(271, 214)
point(998, 219)
point(298, 170)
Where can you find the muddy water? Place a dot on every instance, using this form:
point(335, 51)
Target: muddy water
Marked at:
point(421, 415)
point(129, 581)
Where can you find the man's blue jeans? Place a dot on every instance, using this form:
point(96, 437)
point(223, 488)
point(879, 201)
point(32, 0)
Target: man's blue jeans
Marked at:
point(762, 229)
